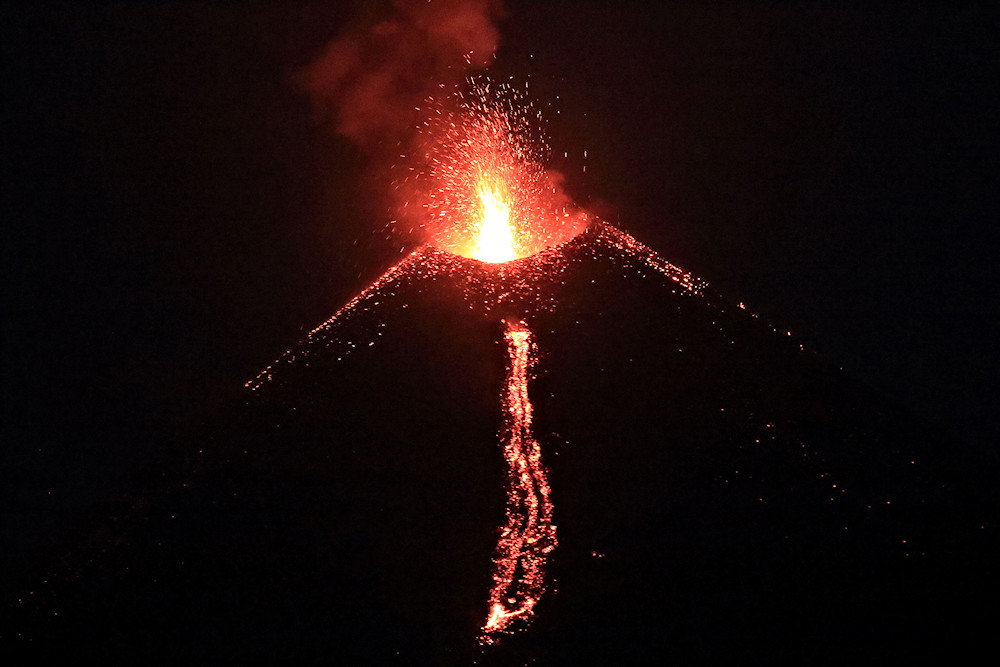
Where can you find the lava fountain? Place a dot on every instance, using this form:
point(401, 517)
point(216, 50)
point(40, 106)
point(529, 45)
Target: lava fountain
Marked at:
point(495, 238)
point(473, 182)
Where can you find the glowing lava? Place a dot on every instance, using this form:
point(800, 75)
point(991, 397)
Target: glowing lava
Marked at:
point(529, 535)
point(495, 237)
point(474, 181)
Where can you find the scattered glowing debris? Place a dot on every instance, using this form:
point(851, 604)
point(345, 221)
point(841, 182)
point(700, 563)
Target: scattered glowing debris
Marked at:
point(533, 280)
point(474, 181)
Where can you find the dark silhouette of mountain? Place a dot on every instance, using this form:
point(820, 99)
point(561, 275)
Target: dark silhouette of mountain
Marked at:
point(720, 492)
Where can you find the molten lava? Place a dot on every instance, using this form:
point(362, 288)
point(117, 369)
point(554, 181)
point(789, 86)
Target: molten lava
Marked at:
point(475, 184)
point(528, 537)
point(495, 236)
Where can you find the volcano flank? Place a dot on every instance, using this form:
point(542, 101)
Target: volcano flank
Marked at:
point(720, 492)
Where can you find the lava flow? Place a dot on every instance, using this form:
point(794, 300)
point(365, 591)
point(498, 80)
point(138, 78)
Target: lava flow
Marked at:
point(518, 578)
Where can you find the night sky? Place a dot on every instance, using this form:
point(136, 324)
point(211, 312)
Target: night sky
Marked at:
point(176, 218)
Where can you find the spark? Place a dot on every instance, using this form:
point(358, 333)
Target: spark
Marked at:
point(474, 180)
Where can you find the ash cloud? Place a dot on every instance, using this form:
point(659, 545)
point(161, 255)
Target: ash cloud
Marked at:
point(371, 78)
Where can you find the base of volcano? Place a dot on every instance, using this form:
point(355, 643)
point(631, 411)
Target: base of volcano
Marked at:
point(720, 495)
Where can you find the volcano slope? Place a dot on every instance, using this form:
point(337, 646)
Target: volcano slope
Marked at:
point(719, 492)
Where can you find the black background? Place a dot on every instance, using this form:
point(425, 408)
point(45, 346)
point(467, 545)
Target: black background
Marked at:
point(175, 219)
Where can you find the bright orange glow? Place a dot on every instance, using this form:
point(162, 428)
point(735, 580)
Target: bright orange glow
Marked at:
point(529, 535)
point(475, 184)
point(495, 237)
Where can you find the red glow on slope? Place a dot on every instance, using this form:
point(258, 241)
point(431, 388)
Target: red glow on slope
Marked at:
point(529, 535)
point(534, 283)
point(475, 184)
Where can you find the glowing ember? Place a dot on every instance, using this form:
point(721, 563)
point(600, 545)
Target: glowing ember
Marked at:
point(475, 183)
point(518, 578)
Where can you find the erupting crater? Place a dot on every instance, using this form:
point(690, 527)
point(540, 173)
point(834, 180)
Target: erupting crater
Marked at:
point(474, 182)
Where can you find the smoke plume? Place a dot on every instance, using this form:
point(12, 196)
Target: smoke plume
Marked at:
point(371, 78)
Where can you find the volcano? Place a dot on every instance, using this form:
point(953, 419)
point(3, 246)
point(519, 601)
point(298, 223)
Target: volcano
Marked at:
point(720, 491)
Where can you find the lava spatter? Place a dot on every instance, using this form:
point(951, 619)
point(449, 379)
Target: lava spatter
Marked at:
point(474, 181)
